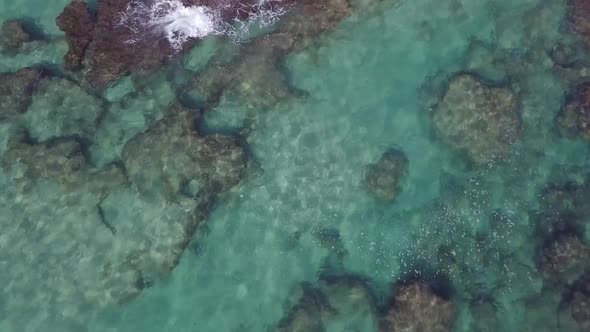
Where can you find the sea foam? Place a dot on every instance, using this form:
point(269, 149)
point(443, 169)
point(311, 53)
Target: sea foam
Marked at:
point(178, 23)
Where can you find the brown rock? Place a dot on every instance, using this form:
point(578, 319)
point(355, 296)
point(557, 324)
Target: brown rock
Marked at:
point(77, 22)
point(417, 308)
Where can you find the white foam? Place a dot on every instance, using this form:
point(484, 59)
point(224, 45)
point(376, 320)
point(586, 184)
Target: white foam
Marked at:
point(179, 23)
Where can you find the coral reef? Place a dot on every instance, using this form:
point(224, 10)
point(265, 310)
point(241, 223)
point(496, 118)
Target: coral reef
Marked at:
point(16, 90)
point(477, 119)
point(573, 120)
point(170, 154)
point(14, 34)
point(77, 21)
point(417, 308)
point(384, 179)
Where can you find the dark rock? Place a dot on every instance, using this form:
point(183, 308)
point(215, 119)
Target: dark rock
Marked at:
point(306, 315)
point(418, 308)
point(578, 302)
point(77, 21)
point(14, 34)
point(171, 154)
point(564, 253)
point(384, 179)
point(573, 121)
point(16, 90)
point(478, 119)
point(579, 18)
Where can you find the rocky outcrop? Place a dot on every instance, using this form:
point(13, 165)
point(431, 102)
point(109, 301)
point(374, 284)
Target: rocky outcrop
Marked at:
point(14, 35)
point(77, 21)
point(384, 179)
point(16, 90)
point(478, 119)
point(417, 308)
point(573, 120)
point(170, 156)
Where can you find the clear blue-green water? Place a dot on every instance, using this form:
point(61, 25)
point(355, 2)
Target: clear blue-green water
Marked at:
point(364, 90)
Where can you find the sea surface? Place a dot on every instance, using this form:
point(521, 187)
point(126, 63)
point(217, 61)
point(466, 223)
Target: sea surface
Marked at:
point(363, 87)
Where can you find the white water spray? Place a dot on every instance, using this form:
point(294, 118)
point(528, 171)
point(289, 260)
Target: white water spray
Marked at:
point(179, 23)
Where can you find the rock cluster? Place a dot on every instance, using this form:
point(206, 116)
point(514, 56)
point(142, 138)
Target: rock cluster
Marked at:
point(478, 119)
point(77, 21)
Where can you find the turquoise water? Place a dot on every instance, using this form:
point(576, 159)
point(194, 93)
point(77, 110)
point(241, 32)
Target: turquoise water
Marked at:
point(363, 87)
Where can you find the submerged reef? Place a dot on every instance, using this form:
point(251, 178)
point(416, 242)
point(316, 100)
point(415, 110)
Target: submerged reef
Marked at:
point(384, 179)
point(578, 302)
point(16, 90)
point(416, 308)
point(562, 254)
point(573, 120)
point(168, 156)
point(478, 119)
point(254, 73)
point(579, 18)
point(344, 299)
point(14, 35)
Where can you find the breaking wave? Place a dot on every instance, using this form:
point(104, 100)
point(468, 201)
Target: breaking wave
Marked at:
point(178, 23)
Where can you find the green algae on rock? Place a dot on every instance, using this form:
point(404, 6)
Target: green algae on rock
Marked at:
point(478, 119)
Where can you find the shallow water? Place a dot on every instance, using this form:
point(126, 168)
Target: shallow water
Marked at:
point(363, 89)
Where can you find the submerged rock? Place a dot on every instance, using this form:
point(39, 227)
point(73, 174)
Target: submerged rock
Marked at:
point(342, 299)
point(477, 119)
point(14, 34)
point(16, 90)
point(77, 21)
point(573, 120)
point(564, 253)
point(307, 313)
point(578, 302)
point(171, 154)
point(418, 308)
point(59, 159)
point(60, 107)
point(253, 75)
point(384, 179)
